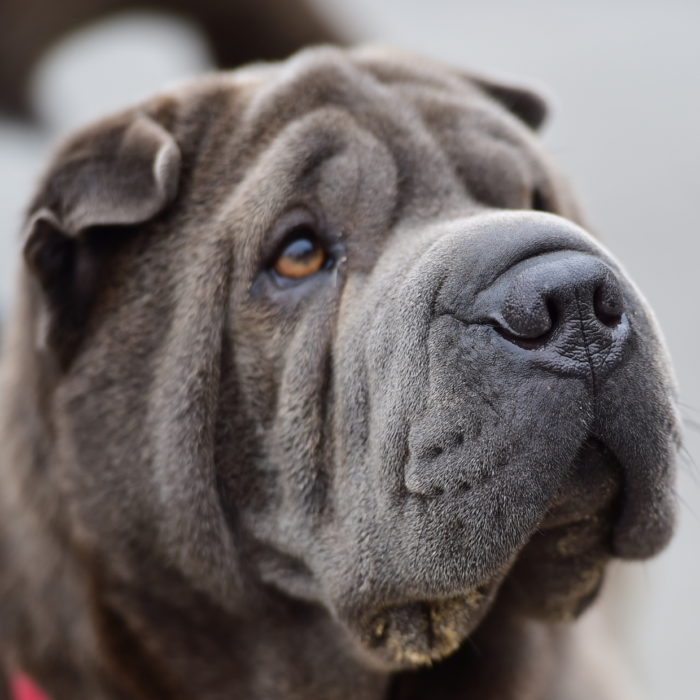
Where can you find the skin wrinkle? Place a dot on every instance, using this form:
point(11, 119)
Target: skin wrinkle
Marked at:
point(267, 480)
point(388, 539)
point(585, 345)
point(425, 521)
point(483, 397)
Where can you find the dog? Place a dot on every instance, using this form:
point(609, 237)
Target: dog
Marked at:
point(317, 387)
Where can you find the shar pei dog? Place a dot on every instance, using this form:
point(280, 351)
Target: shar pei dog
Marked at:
point(315, 387)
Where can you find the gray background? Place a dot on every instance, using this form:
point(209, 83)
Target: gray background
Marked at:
point(622, 76)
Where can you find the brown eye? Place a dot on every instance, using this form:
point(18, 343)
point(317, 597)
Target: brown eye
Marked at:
point(301, 258)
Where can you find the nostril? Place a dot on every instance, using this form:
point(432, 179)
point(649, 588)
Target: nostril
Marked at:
point(526, 313)
point(527, 329)
point(608, 305)
point(536, 301)
point(553, 312)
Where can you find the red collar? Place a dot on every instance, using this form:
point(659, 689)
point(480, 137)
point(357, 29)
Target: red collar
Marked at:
point(23, 688)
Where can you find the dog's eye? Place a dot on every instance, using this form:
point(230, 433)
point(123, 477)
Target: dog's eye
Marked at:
point(300, 258)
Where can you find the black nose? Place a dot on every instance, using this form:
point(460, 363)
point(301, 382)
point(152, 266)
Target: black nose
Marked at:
point(566, 305)
point(541, 295)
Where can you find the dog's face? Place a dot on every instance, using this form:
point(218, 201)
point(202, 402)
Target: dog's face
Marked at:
point(329, 326)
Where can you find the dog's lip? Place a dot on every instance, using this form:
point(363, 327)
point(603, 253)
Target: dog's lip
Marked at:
point(421, 631)
point(559, 571)
point(589, 491)
point(570, 509)
point(475, 592)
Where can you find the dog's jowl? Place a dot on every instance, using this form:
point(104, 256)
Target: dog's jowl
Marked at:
point(315, 387)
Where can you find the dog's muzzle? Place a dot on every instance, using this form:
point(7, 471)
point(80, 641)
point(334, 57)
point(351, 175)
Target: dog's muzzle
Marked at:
point(520, 428)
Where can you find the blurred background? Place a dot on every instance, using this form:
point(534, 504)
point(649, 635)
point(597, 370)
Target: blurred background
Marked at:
point(623, 78)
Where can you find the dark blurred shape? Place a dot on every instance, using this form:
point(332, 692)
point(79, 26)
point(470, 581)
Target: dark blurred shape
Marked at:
point(239, 31)
point(4, 687)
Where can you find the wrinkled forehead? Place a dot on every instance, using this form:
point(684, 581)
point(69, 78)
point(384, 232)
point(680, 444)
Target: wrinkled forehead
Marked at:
point(424, 113)
point(370, 139)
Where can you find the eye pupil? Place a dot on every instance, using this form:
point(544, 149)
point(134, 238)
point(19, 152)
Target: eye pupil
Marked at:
point(302, 257)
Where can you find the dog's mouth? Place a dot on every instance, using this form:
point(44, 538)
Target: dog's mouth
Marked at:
point(554, 577)
point(560, 570)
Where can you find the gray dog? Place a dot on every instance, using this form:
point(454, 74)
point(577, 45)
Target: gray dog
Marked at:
point(315, 388)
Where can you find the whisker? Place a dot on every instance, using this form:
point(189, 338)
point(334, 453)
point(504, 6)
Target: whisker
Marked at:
point(689, 462)
point(686, 504)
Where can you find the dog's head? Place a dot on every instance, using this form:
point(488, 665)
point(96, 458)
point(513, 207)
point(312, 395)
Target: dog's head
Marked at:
point(330, 327)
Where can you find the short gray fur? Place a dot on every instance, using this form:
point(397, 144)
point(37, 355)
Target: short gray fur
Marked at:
point(393, 479)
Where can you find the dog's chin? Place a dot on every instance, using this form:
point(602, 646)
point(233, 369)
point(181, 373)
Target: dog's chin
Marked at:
point(412, 634)
point(554, 578)
point(418, 633)
point(556, 575)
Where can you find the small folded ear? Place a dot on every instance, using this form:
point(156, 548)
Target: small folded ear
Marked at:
point(120, 173)
point(526, 104)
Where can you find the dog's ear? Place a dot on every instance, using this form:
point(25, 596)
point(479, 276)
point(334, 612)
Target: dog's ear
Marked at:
point(118, 174)
point(524, 102)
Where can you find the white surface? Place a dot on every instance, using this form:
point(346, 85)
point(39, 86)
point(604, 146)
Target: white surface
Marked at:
point(22, 154)
point(114, 63)
point(626, 130)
